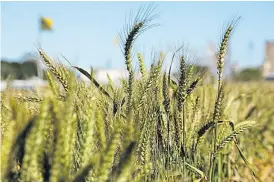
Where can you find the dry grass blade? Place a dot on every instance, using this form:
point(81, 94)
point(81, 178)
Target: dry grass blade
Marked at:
point(238, 129)
point(246, 162)
point(201, 173)
point(173, 56)
point(84, 72)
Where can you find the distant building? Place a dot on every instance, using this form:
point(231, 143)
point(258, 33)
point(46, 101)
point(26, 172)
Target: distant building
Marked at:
point(31, 83)
point(116, 75)
point(268, 66)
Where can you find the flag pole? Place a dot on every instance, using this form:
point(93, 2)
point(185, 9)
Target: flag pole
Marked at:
point(39, 45)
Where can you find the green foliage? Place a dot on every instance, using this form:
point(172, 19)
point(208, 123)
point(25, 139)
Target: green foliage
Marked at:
point(18, 71)
point(248, 74)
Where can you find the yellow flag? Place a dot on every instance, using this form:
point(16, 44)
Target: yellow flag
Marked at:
point(46, 23)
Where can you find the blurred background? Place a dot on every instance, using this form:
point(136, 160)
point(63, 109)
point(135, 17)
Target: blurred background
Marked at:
point(86, 33)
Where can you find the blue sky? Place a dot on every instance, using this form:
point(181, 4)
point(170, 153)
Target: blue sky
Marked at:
point(84, 32)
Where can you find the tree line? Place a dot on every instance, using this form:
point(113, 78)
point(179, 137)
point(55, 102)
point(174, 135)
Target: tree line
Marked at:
point(18, 70)
point(27, 69)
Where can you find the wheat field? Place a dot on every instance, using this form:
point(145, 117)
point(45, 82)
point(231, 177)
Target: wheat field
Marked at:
point(152, 128)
